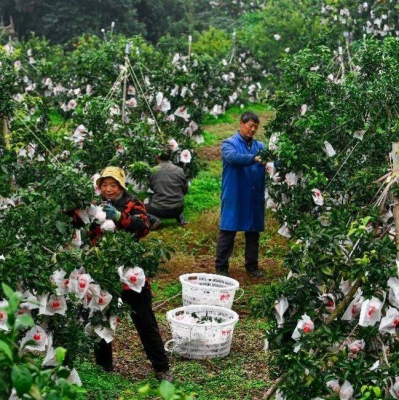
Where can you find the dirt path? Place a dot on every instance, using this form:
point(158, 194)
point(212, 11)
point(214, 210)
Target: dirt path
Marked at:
point(243, 374)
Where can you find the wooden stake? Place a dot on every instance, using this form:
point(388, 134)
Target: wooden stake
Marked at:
point(395, 175)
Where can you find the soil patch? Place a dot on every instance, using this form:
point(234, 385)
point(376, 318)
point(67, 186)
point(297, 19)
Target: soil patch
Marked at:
point(209, 153)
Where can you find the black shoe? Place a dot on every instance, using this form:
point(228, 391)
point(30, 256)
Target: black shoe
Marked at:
point(255, 273)
point(223, 272)
point(181, 220)
point(164, 376)
point(156, 225)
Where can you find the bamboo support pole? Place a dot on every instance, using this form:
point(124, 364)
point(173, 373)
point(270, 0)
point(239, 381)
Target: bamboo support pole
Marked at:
point(233, 50)
point(341, 60)
point(4, 129)
point(4, 140)
point(395, 175)
point(190, 42)
point(126, 71)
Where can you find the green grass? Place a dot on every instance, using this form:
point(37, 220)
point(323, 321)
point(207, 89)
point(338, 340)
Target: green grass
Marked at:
point(215, 379)
point(254, 107)
point(218, 379)
point(230, 115)
point(221, 119)
point(209, 139)
point(161, 293)
point(204, 192)
point(101, 385)
point(56, 118)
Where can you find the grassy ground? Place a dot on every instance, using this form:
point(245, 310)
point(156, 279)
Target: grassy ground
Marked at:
point(241, 375)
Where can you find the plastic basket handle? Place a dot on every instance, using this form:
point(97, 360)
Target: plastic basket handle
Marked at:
point(241, 294)
point(167, 349)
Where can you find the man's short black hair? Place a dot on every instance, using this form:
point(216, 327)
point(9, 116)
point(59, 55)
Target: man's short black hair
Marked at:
point(249, 116)
point(165, 153)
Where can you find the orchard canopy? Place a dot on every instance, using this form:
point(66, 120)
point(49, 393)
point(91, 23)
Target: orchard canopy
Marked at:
point(85, 85)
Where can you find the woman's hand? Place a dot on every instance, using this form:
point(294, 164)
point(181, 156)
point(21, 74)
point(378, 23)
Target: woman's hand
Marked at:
point(111, 212)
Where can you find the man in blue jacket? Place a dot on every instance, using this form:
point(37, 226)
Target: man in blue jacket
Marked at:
point(243, 196)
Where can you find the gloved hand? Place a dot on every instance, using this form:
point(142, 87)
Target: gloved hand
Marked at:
point(111, 212)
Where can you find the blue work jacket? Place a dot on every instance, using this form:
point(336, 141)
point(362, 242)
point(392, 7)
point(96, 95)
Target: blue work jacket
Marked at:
point(243, 186)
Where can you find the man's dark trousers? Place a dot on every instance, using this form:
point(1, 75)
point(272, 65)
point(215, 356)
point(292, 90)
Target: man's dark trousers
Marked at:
point(144, 320)
point(168, 213)
point(225, 249)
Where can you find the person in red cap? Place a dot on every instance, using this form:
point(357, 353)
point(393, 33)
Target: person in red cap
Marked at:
point(129, 214)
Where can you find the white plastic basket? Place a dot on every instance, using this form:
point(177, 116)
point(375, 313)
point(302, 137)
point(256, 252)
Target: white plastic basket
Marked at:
point(195, 338)
point(210, 289)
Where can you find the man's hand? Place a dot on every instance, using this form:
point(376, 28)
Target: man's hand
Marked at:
point(111, 212)
point(258, 160)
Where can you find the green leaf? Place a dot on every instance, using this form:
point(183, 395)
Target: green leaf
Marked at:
point(144, 389)
point(327, 330)
point(377, 391)
point(14, 301)
point(21, 379)
point(326, 270)
point(24, 321)
point(53, 396)
point(166, 390)
point(309, 380)
point(6, 349)
point(61, 227)
point(63, 372)
point(352, 231)
point(366, 220)
point(7, 290)
point(60, 353)
point(35, 393)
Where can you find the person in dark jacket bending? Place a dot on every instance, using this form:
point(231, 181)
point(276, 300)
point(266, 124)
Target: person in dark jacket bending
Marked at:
point(169, 184)
point(129, 214)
